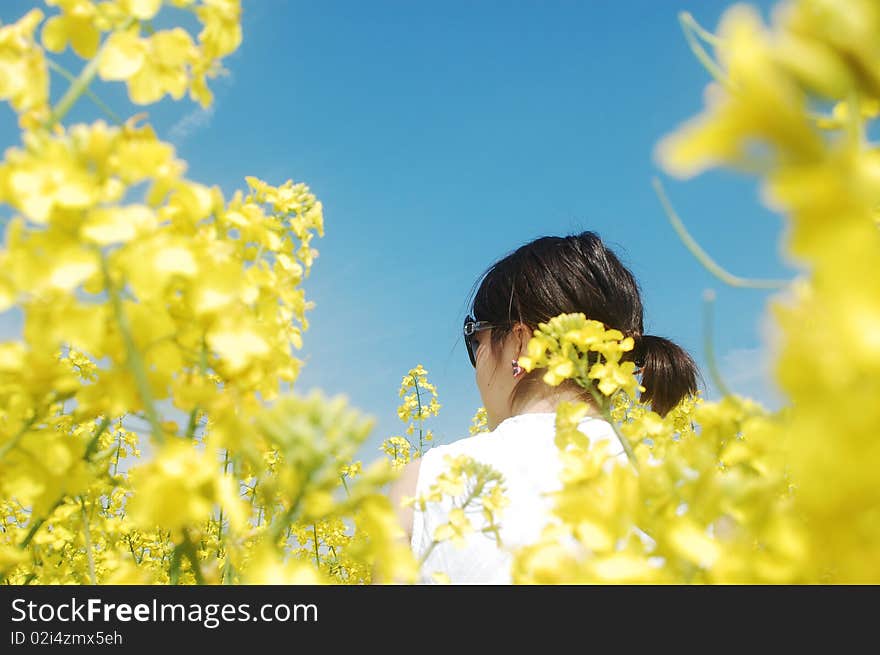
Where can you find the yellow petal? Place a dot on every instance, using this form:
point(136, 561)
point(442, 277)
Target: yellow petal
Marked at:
point(173, 48)
point(145, 86)
point(54, 34)
point(7, 296)
point(117, 225)
point(123, 56)
point(11, 356)
point(620, 567)
point(70, 268)
point(142, 9)
point(443, 532)
point(694, 544)
point(237, 345)
point(84, 37)
point(176, 259)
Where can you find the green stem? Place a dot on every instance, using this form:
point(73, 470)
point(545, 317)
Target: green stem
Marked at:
point(419, 402)
point(253, 491)
point(424, 557)
point(133, 359)
point(93, 442)
point(712, 365)
point(36, 526)
point(691, 28)
point(220, 519)
point(287, 517)
point(315, 533)
point(189, 549)
point(88, 538)
point(113, 116)
point(606, 414)
point(193, 423)
point(80, 84)
point(118, 449)
point(194, 414)
point(131, 548)
point(228, 571)
point(12, 443)
point(174, 565)
point(687, 20)
point(474, 493)
point(708, 263)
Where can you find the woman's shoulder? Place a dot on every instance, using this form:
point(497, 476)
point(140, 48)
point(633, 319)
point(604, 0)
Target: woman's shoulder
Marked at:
point(518, 436)
point(522, 428)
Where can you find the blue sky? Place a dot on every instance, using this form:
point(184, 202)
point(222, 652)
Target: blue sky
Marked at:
point(441, 136)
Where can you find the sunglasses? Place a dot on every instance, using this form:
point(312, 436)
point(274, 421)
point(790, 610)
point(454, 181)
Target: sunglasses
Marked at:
point(471, 327)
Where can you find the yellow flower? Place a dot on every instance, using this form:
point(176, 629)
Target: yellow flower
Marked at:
point(24, 78)
point(451, 483)
point(152, 66)
point(479, 422)
point(558, 369)
point(267, 566)
point(399, 450)
point(419, 395)
point(455, 530)
point(568, 418)
point(439, 577)
point(222, 32)
point(762, 104)
point(239, 341)
point(75, 25)
point(124, 55)
point(593, 332)
point(191, 477)
point(693, 543)
point(351, 470)
point(141, 9)
point(46, 177)
point(105, 226)
point(164, 67)
point(835, 45)
point(613, 376)
point(495, 500)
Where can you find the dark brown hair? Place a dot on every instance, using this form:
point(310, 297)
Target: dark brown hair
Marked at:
point(578, 273)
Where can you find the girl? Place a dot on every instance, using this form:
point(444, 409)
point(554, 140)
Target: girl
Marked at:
point(544, 278)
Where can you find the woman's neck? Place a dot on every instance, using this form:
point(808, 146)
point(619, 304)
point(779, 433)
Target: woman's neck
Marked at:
point(549, 403)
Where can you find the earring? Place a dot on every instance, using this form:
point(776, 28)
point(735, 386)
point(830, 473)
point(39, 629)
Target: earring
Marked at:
point(517, 369)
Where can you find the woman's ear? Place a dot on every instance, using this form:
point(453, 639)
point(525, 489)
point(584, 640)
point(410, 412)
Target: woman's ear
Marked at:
point(523, 335)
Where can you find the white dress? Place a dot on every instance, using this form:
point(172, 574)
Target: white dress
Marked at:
point(522, 448)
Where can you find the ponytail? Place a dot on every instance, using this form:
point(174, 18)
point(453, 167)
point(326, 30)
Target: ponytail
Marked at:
point(578, 273)
point(669, 373)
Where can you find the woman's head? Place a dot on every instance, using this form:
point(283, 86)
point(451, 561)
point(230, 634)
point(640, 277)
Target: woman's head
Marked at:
point(555, 275)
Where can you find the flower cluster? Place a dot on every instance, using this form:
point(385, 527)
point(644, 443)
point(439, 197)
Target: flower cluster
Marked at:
point(479, 422)
point(564, 344)
point(420, 402)
point(822, 175)
point(163, 317)
point(727, 491)
point(157, 309)
point(466, 485)
point(25, 79)
point(153, 63)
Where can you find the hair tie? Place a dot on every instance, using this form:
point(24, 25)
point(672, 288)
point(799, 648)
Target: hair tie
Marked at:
point(638, 361)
